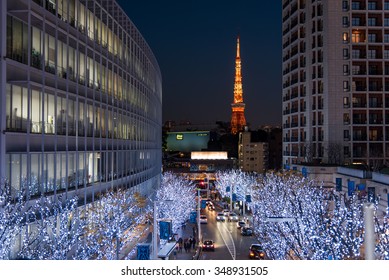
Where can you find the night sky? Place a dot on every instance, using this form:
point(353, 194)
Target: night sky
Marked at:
point(194, 42)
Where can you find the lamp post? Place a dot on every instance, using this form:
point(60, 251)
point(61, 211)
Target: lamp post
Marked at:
point(198, 214)
point(155, 229)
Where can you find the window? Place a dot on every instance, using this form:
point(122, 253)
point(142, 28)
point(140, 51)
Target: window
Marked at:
point(346, 103)
point(372, 37)
point(345, 5)
point(386, 21)
point(346, 86)
point(372, 54)
point(356, 21)
point(345, 54)
point(355, 6)
point(346, 134)
point(386, 54)
point(357, 37)
point(345, 37)
point(372, 6)
point(386, 6)
point(386, 38)
point(345, 21)
point(356, 53)
point(345, 69)
point(346, 118)
point(372, 21)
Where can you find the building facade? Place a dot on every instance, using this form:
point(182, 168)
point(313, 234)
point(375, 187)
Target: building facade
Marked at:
point(81, 99)
point(253, 154)
point(335, 100)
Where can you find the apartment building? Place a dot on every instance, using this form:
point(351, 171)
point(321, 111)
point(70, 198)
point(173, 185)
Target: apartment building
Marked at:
point(335, 100)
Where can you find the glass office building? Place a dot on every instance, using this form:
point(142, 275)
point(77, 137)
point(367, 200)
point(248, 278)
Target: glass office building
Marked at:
point(81, 99)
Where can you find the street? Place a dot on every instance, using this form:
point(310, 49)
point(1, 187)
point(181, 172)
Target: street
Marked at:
point(229, 243)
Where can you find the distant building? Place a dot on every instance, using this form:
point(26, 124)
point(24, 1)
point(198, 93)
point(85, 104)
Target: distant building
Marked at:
point(187, 141)
point(253, 152)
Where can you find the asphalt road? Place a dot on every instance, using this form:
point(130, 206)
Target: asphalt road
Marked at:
point(229, 243)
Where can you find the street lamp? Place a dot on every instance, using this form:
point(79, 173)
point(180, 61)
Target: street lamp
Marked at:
point(155, 230)
point(198, 215)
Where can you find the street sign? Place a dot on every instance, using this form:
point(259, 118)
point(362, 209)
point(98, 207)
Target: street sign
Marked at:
point(165, 229)
point(192, 217)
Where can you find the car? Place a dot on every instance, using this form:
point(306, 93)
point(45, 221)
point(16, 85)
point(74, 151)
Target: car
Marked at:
point(233, 217)
point(226, 212)
point(203, 219)
point(256, 252)
point(246, 231)
point(208, 245)
point(220, 217)
point(240, 224)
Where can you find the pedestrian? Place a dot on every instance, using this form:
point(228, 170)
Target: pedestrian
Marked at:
point(194, 243)
point(194, 230)
point(186, 246)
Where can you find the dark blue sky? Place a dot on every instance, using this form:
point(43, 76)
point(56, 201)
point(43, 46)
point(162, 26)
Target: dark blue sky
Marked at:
point(194, 42)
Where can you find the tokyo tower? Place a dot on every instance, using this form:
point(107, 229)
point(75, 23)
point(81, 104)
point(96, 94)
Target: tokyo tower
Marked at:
point(238, 120)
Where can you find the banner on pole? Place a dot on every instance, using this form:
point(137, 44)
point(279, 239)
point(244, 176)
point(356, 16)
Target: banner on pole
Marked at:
point(338, 184)
point(351, 188)
point(143, 251)
point(165, 229)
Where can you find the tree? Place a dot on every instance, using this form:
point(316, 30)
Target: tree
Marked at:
point(298, 220)
point(52, 229)
point(109, 220)
point(176, 197)
point(11, 218)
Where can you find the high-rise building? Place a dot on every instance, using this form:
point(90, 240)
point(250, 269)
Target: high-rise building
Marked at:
point(238, 120)
point(335, 84)
point(81, 99)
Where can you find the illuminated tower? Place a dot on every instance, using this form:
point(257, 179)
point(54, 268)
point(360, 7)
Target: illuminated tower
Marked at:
point(238, 121)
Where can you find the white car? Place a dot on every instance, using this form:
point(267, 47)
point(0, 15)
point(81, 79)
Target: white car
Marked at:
point(226, 212)
point(203, 219)
point(233, 217)
point(220, 217)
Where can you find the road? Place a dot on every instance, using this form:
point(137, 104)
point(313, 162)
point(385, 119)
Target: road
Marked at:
point(229, 243)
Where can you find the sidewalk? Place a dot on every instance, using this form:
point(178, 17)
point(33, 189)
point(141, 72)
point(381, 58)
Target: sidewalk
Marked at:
point(186, 232)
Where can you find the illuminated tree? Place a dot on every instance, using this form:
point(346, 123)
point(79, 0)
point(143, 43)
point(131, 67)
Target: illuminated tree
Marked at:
point(176, 197)
point(11, 218)
point(382, 230)
point(52, 229)
point(110, 221)
point(298, 220)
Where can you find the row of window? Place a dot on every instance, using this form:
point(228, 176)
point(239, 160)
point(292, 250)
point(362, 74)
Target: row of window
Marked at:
point(69, 63)
point(43, 112)
point(66, 171)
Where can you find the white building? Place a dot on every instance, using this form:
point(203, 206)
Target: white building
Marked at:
point(81, 99)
